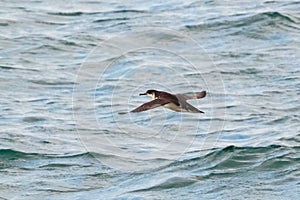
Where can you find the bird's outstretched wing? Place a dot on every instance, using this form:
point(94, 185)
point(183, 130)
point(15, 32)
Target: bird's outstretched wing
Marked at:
point(150, 105)
point(186, 107)
point(197, 95)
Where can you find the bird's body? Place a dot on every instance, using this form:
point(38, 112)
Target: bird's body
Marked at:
point(176, 102)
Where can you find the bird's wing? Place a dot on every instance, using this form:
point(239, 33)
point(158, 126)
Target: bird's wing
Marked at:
point(150, 105)
point(197, 95)
point(189, 108)
point(185, 106)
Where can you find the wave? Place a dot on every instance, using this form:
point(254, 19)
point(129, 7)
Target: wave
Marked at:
point(80, 13)
point(261, 21)
point(68, 14)
point(10, 154)
point(111, 19)
point(231, 161)
point(6, 67)
point(168, 183)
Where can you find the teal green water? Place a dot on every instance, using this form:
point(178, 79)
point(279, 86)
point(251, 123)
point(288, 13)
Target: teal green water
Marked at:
point(68, 68)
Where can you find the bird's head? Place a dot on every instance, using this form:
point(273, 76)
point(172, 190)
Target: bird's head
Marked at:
point(152, 93)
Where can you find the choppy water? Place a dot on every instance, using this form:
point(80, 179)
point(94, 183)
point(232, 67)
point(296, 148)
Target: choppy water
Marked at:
point(68, 67)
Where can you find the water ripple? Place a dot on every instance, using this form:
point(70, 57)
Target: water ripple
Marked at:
point(247, 142)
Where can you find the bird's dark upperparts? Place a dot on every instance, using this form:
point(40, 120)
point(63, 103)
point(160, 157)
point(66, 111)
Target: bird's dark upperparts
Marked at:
point(176, 102)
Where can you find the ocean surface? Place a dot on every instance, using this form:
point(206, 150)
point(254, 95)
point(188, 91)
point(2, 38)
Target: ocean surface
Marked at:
point(69, 68)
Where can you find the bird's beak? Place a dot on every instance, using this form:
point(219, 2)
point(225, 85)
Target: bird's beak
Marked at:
point(143, 94)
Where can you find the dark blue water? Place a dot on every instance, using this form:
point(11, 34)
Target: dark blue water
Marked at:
point(68, 68)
